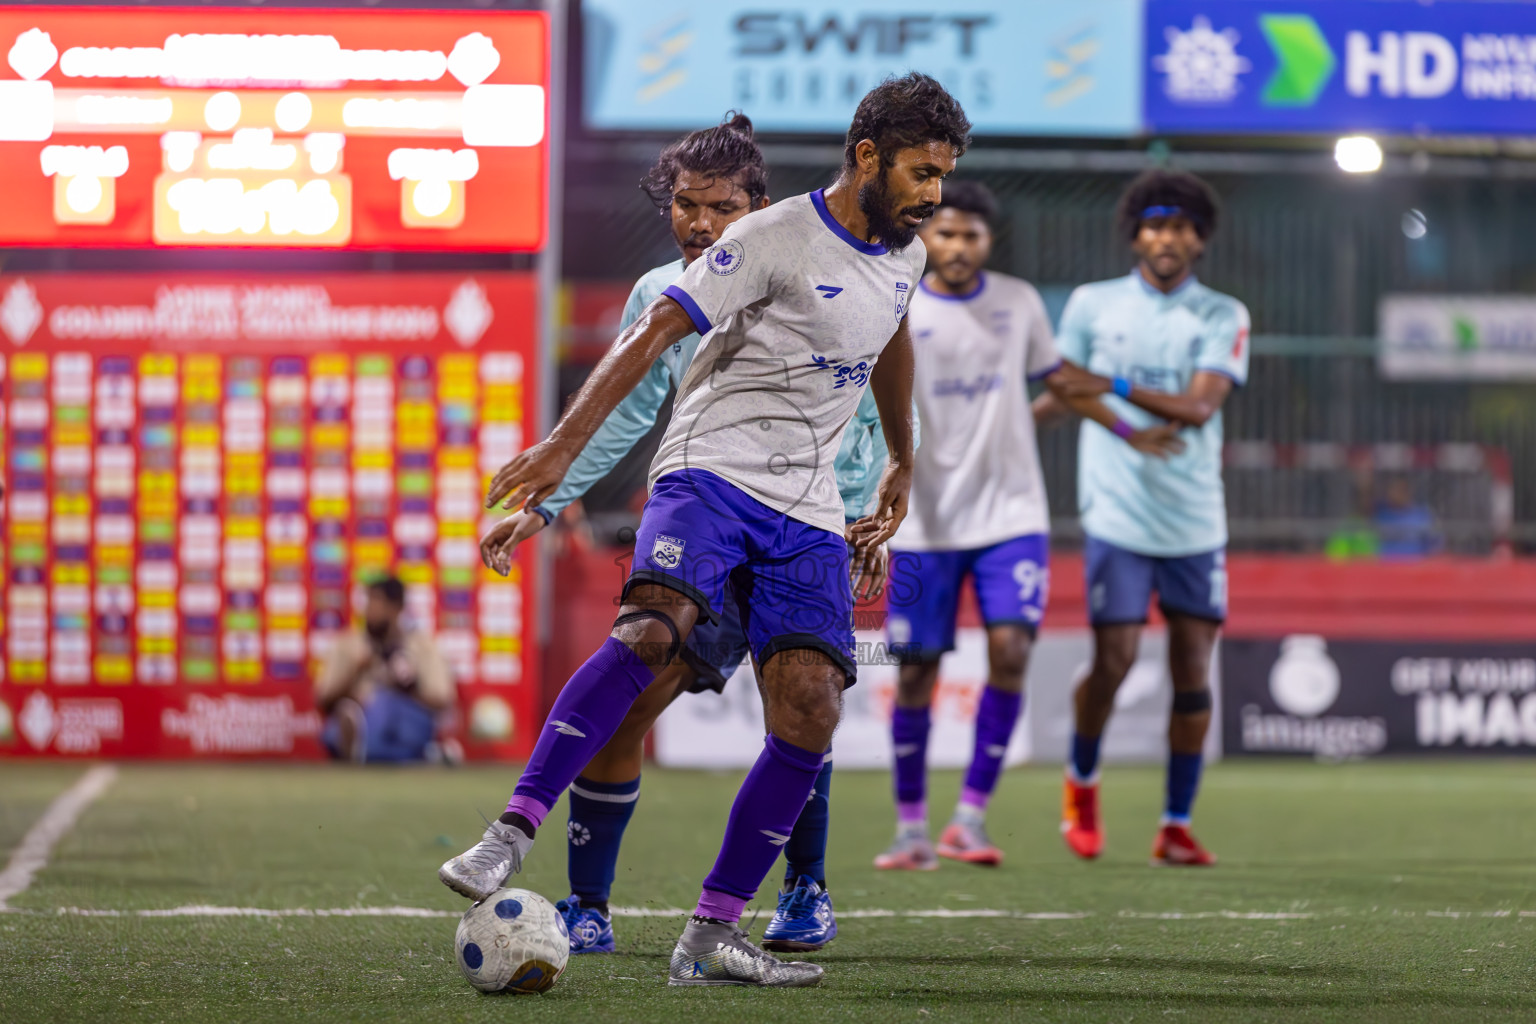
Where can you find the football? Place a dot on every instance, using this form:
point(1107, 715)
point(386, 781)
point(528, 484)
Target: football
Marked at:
point(515, 941)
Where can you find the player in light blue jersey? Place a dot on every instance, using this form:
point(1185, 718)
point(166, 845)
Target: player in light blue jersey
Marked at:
point(1172, 350)
point(704, 182)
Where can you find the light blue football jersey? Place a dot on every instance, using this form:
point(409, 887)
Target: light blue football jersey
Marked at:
point(1126, 328)
point(860, 460)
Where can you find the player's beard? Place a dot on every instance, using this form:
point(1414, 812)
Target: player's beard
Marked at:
point(876, 203)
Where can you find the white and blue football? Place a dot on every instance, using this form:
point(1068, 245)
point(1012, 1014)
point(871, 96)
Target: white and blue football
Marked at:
point(515, 941)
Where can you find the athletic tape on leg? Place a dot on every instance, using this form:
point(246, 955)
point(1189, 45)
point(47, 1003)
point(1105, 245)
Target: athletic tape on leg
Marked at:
point(661, 617)
point(1191, 702)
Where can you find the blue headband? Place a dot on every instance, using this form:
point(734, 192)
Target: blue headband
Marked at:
point(1163, 211)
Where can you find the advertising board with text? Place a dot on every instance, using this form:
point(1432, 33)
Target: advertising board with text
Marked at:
point(200, 126)
point(201, 474)
point(1018, 67)
point(1340, 66)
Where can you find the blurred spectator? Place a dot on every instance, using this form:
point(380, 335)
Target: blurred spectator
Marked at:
point(383, 688)
point(1405, 527)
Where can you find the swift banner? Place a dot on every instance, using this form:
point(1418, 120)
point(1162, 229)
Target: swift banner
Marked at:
point(1339, 66)
point(299, 128)
point(1019, 66)
point(202, 472)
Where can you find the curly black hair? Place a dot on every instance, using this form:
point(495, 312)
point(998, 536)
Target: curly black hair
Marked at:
point(727, 150)
point(389, 588)
point(907, 111)
point(1176, 189)
point(969, 196)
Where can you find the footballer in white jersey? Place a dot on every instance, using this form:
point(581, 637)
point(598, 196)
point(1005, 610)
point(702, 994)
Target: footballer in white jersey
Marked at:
point(1173, 350)
point(977, 509)
point(800, 306)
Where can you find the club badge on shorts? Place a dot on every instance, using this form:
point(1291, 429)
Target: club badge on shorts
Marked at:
point(666, 552)
point(903, 292)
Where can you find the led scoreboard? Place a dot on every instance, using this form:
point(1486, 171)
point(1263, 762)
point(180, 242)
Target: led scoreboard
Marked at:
point(202, 472)
point(297, 128)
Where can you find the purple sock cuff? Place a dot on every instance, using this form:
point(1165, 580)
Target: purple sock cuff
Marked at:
point(911, 810)
point(615, 655)
point(974, 798)
point(1002, 702)
point(911, 717)
point(793, 756)
point(529, 808)
point(720, 906)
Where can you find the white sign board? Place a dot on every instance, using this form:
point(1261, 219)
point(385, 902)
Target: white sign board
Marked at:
point(711, 730)
point(1428, 337)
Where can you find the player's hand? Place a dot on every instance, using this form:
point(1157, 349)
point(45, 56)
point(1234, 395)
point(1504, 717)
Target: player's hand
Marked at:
point(890, 509)
point(532, 476)
point(501, 540)
point(1075, 382)
point(868, 570)
point(1159, 442)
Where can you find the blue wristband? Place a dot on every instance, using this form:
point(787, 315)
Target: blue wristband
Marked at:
point(549, 516)
point(1122, 387)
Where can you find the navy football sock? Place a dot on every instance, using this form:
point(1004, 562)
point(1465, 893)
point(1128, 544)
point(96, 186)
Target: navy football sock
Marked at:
point(806, 851)
point(1183, 782)
point(599, 813)
point(1085, 756)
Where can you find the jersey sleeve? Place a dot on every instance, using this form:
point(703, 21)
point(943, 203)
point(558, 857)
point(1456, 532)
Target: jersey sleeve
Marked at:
point(629, 421)
point(735, 272)
point(1041, 358)
point(1224, 343)
point(1074, 340)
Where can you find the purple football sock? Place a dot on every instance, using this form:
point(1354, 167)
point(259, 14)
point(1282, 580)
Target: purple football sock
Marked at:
point(585, 716)
point(996, 715)
point(762, 819)
point(909, 742)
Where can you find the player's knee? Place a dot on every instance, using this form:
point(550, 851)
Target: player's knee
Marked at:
point(651, 634)
point(915, 682)
point(1008, 653)
point(1111, 664)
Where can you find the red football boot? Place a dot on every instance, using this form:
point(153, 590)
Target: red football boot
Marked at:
point(1176, 847)
point(1080, 825)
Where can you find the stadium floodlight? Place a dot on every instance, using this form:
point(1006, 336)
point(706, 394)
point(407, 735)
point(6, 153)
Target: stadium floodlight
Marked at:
point(1357, 154)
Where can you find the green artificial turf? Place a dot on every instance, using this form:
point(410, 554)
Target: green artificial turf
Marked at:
point(1386, 891)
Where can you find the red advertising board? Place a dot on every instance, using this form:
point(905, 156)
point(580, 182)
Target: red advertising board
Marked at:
point(197, 126)
point(202, 472)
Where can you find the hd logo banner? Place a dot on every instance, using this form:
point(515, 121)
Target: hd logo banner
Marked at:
point(1019, 67)
point(1340, 65)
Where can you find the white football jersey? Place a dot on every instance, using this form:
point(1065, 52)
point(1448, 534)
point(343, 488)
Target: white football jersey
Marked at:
point(794, 311)
point(977, 479)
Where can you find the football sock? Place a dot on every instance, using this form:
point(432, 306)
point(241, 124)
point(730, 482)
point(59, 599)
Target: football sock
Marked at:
point(586, 715)
point(1085, 756)
point(996, 716)
point(909, 742)
point(806, 851)
point(599, 813)
point(1183, 781)
point(761, 821)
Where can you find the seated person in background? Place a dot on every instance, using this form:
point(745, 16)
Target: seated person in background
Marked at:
point(382, 688)
point(1405, 527)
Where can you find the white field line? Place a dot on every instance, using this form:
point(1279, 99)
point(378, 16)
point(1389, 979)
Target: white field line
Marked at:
point(199, 910)
point(31, 855)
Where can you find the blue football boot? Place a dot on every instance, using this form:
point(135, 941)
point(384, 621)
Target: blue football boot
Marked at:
point(591, 932)
point(803, 921)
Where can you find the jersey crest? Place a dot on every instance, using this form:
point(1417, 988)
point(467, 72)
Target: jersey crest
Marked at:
point(903, 293)
point(667, 552)
point(725, 257)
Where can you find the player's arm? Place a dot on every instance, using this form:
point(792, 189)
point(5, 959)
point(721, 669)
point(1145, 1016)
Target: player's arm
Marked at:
point(630, 420)
point(1159, 441)
point(891, 383)
point(1203, 398)
point(533, 476)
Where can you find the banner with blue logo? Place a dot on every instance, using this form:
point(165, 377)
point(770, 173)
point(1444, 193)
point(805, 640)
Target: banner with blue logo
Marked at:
point(1247, 66)
point(1019, 67)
